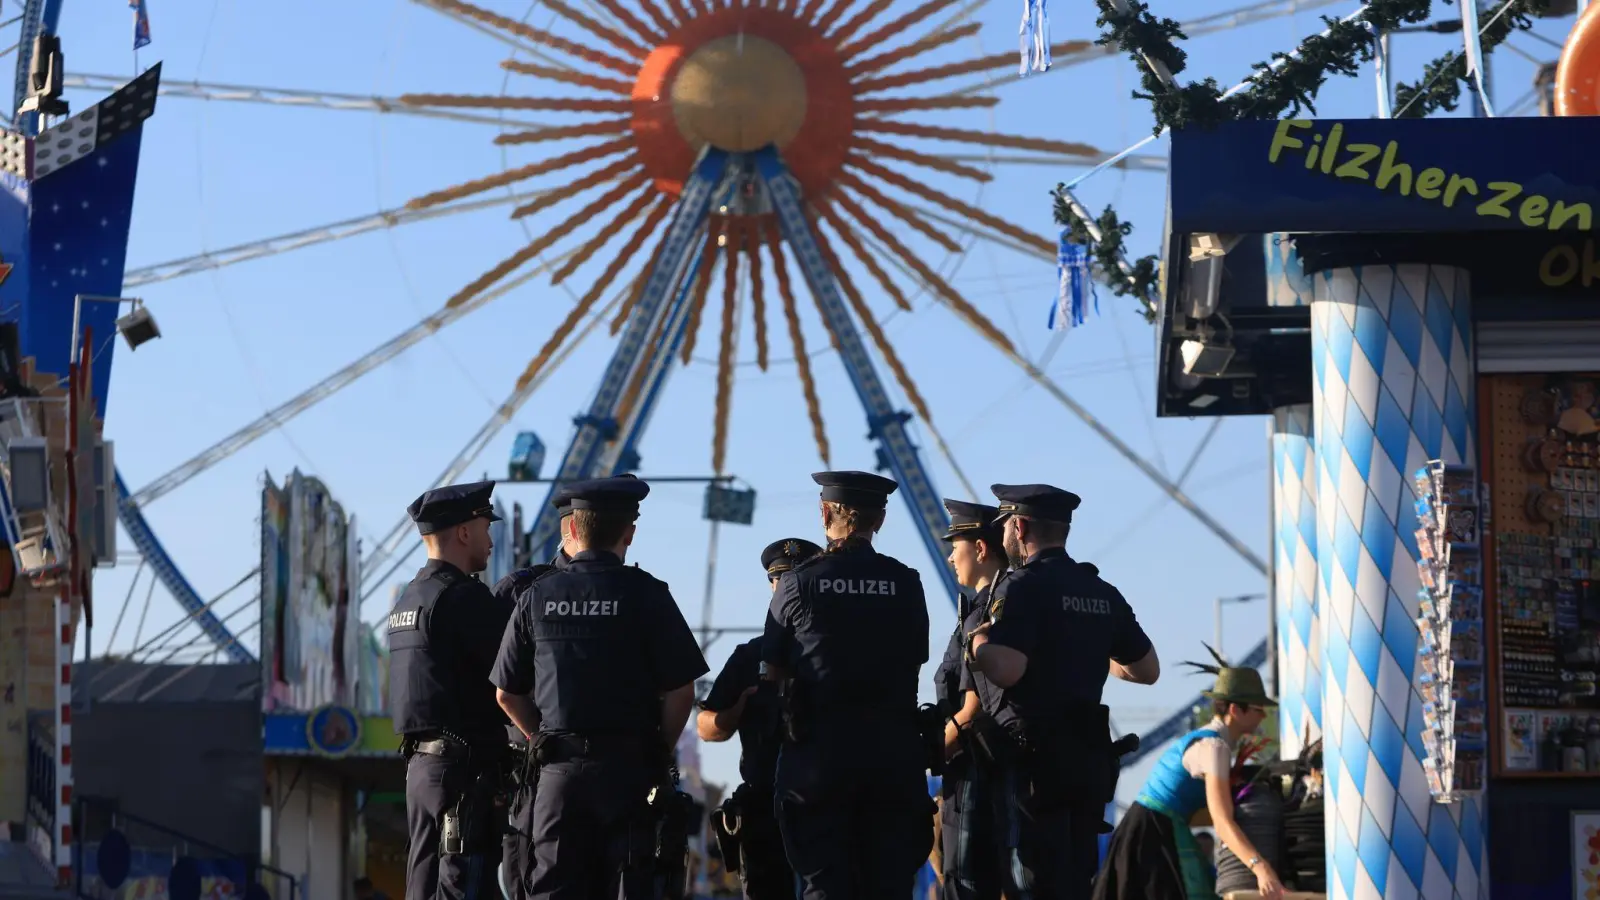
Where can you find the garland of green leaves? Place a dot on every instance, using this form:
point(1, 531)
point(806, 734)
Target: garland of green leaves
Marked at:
point(1287, 84)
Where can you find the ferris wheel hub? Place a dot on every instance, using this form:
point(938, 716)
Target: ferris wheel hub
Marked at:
point(739, 93)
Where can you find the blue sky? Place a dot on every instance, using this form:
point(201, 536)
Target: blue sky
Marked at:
point(239, 340)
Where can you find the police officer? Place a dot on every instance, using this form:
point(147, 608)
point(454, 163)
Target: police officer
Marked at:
point(443, 636)
point(968, 867)
point(598, 669)
point(847, 631)
point(1055, 629)
point(739, 701)
point(518, 856)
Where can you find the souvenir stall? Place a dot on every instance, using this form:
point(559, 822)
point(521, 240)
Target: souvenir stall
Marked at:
point(1413, 304)
point(333, 802)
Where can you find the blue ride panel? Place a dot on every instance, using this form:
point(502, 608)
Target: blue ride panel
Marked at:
point(15, 196)
point(78, 243)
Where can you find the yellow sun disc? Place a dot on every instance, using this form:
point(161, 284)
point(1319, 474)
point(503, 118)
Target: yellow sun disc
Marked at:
point(739, 93)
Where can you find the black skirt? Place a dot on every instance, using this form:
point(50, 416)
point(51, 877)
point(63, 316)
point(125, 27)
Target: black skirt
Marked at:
point(1142, 860)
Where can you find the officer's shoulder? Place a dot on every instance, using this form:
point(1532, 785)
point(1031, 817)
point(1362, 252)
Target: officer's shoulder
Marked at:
point(899, 566)
point(807, 563)
point(635, 576)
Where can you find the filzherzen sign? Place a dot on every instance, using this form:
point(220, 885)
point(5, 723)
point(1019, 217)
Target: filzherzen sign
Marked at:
point(1527, 183)
point(1387, 175)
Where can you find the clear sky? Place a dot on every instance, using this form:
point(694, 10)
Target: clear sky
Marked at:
point(239, 340)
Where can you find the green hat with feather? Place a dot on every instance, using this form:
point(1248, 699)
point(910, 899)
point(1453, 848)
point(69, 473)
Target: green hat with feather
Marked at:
point(1234, 684)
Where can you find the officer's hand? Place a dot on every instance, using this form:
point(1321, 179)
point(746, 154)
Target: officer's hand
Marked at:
point(744, 697)
point(978, 637)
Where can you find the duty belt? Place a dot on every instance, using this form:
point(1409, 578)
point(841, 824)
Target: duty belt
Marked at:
point(562, 746)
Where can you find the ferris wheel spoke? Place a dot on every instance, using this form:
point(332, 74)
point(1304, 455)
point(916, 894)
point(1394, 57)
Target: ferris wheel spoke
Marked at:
point(521, 173)
point(569, 76)
point(802, 359)
point(915, 104)
point(862, 255)
point(500, 27)
point(306, 99)
point(1131, 163)
point(751, 242)
point(917, 188)
point(599, 30)
point(952, 70)
point(867, 13)
point(898, 26)
point(308, 237)
point(949, 167)
point(324, 389)
point(876, 197)
point(981, 138)
point(722, 404)
point(1223, 21)
point(915, 49)
point(1173, 491)
point(474, 448)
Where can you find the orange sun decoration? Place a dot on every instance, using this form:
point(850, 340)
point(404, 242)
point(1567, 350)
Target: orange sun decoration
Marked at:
point(738, 77)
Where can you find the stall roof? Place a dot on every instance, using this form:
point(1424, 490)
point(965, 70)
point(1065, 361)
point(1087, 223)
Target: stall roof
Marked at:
point(1515, 200)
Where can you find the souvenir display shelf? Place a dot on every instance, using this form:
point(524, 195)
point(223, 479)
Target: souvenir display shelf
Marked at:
point(1543, 465)
point(1450, 654)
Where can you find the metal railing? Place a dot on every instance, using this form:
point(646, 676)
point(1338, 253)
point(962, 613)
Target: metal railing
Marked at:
point(155, 850)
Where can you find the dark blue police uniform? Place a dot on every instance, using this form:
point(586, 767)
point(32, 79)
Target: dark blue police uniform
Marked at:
point(1070, 624)
point(746, 823)
point(966, 833)
point(849, 627)
point(595, 645)
point(517, 847)
point(443, 636)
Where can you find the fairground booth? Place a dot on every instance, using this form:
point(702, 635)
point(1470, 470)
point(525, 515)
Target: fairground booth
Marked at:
point(1415, 306)
point(333, 800)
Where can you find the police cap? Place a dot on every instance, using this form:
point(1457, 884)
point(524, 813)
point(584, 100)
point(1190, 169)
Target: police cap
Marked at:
point(448, 507)
point(618, 494)
point(971, 520)
point(1035, 501)
point(781, 556)
point(861, 490)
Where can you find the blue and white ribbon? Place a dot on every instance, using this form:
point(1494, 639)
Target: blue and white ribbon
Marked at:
point(1034, 35)
point(1076, 286)
point(1474, 50)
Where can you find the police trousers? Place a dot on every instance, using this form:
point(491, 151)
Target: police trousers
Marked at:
point(764, 870)
point(854, 812)
point(436, 785)
point(1047, 850)
point(517, 864)
point(590, 833)
point(968, 850)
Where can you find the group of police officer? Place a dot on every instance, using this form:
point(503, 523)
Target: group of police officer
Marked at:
point(594, 666)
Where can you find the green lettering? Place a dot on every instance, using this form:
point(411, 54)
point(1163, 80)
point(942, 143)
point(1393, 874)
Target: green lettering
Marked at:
point(1496, 205)
point(1356, 165)
point(1458, 184)
point(1389, 169)
point(1531, 212)
point(1283, 138)
point(1329, 152)
point(1591, 266)
point(1561, 256)
point(1564, 213)
point(1428, 182)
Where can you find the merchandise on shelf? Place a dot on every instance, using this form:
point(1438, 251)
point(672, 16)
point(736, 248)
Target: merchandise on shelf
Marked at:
point(1450, 657)
point(1546, 556)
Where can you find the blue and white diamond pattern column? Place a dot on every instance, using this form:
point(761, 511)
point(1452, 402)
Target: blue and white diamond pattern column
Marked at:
point(1392, 363)
point(1294, 532)
point(1294, 588)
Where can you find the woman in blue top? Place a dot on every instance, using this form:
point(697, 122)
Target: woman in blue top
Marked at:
point(1153, 854)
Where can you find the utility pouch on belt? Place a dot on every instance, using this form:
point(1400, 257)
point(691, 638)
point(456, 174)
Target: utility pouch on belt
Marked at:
point(1070, 762)
point(796, 706)
point(989, 740)
point(451, 841)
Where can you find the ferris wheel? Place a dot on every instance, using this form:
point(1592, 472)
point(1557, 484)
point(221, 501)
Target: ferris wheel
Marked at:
point(773, 169)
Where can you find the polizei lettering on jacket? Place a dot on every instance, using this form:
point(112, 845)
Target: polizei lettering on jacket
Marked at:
point(580, 607)
point(1098, 606)
point(856, 586)
point(403, 620)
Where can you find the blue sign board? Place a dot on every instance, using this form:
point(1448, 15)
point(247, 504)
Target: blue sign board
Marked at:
point(1522, 175)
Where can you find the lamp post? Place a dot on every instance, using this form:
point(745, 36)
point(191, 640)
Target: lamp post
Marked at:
point(137, 327)
point(1242, 598)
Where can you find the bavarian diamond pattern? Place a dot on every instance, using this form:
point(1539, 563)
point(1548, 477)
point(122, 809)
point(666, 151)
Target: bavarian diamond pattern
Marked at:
point(1394, 386)
point(1294, 548)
